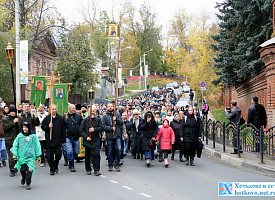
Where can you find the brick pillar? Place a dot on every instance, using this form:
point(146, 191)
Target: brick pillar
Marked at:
point(268, 56)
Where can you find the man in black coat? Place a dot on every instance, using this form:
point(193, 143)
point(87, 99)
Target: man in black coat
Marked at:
point(26, 115)
point(91, 143)
point(257, 117)
point(113, 136)
point(58, 138)
point(72, 123)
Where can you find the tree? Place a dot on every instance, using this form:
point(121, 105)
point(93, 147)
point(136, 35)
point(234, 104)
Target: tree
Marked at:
point(76, 59)
point(244, 25)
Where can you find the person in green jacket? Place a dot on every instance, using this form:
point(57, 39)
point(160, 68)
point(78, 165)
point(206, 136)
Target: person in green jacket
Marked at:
point(26, 149)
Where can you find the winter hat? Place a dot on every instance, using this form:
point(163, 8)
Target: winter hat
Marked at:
point(78, 107)
point(162, 114)
point(28, 125)
point(12, 109)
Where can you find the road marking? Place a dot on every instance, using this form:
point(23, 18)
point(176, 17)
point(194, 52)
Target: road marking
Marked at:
point(146, 195)
point(112, 181)
point(128, 188)
point(102, 176)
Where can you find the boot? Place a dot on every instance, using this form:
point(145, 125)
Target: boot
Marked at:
point(148, 162)
point(166, 162)
point(66, 161)
point(71, 166)
point(160, 158)
point(173, 154)
point(187, 160)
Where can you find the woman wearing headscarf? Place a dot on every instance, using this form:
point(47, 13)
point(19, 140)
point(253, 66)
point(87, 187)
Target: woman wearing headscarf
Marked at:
point(149, 130)
point(190, 134)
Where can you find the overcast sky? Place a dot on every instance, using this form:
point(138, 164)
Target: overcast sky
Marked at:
point(165, 9)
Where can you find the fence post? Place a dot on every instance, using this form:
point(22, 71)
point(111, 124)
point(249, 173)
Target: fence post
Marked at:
point(238, 141)
point(206, 129)
point(223, 136)
point(262, 145)
point(213, 134)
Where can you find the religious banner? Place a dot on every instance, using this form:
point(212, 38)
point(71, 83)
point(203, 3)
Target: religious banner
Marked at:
point(60, 98)
point(38, 90)
point(24, 62)
point(113, 30)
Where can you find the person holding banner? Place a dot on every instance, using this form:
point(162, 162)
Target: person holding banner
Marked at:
point(57, 140)
point(91, 141)
point(113, 136)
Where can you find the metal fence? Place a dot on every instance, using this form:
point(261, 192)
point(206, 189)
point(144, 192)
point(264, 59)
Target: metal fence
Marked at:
point(247, 137)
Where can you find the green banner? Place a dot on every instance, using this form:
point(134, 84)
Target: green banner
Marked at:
point(38, 90)
point(60, 98)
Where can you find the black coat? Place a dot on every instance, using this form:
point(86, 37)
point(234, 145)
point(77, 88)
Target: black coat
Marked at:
point(257, 115)
point(107, 122)
point(84, 131)
point(133, 131)
point(149, 130)
point(30, 117)
point(72, 124)
point(10, 129)
point(58, 130)
point(176, 126)
point(190, 128)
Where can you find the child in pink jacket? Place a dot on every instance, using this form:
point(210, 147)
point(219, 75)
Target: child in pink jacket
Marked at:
point(167, 136)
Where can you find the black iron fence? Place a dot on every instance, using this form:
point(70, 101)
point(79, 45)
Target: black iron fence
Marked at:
point(245, 138)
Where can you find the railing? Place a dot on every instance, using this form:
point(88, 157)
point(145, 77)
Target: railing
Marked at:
point(245, 138)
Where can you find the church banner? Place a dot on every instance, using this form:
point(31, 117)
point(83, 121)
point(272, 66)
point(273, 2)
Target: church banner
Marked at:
point(38, 90)
point(24, 62)
point(60, 98)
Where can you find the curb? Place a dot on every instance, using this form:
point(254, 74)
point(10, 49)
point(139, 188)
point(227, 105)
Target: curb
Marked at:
point(238, 161)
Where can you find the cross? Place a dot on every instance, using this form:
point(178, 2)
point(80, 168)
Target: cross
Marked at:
point(50, 82)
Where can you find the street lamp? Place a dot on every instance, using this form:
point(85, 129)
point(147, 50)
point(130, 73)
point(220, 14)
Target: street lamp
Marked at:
point(145, 69)
point(10, 56)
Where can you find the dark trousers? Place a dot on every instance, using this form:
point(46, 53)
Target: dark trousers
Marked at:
point(12, 162)
point(189, 150)
point(165, 153)
point(54, 154)
point(94, 155)
point(26, 173)
point(43, 150)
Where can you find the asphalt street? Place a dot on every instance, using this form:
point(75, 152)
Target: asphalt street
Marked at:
point(135, 181)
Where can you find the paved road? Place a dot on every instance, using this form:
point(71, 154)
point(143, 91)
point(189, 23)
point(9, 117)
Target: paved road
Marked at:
point(135, 181)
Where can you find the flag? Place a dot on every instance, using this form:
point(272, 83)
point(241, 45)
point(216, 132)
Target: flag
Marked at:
point(60, 98)
point(38, 90)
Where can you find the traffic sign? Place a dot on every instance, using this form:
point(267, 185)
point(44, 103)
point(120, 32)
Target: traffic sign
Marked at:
point(203, 88)
point(202, 84)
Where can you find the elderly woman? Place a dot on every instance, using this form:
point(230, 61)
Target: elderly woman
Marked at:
point(149, 130)
point(190, 134)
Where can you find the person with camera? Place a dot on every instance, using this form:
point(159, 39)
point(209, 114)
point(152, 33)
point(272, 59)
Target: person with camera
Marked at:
point(234, 113)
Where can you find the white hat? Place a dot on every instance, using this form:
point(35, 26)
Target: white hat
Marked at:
point(135, 111)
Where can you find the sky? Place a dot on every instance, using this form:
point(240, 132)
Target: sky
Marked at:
point(165, 9)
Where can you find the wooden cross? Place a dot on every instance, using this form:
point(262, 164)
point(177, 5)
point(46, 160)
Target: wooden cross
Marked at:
point(50, 82)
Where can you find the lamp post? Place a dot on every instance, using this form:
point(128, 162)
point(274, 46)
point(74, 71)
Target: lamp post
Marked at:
point(145, 71)
point(10, 56)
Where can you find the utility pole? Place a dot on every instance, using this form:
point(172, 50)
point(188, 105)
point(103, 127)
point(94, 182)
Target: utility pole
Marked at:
point(139, 78)
point(17, 49)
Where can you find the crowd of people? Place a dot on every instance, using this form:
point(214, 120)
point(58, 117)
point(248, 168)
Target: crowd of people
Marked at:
point(147, 127)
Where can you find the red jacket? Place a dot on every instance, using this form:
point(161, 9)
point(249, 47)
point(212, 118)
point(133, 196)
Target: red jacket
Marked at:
point(167, 136)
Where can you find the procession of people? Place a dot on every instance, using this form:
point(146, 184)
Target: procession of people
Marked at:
point(146, 127)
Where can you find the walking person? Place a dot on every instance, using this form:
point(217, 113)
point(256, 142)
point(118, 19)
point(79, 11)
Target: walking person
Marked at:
point(113, 136)
point(234, 113)
point(91, 142)
point(26, 115)
point(41, 134)
point(167, 136)
point(3, 150)
point(257, 117)
point(149, 130)
point(126, 133)
point(72, 123)
point(12, 127)
point(205, 109)
point(136, 132)
point(190, 134)
point(58, 139)
point(176, 126)
point(26, 149)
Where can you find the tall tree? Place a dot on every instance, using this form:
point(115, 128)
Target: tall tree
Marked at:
point(76, 61)
point(244, 25)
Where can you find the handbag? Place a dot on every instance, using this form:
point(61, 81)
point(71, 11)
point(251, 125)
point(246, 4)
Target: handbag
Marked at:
point(199, 148)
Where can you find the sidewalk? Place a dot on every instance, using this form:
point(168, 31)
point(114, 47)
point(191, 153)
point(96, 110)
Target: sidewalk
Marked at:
point(248, 160)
